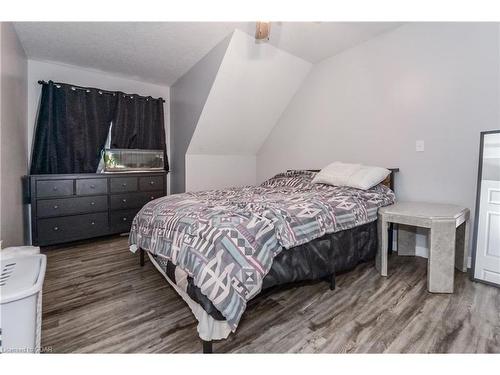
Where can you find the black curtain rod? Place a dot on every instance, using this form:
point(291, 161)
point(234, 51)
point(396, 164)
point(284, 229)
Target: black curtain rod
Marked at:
point(41, 82)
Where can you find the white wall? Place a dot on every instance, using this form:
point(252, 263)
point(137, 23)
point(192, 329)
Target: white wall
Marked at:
point(13, 130)
point(188, 96)
point(437, 82)
point(38, 70)
point(220, 171)
point(254, 84)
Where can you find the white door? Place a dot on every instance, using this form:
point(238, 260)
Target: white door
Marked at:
point(488, 233)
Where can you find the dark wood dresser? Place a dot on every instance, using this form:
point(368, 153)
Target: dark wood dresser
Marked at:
point(69, 207)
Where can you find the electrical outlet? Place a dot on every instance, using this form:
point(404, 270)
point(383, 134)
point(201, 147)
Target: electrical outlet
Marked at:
point(419, 146)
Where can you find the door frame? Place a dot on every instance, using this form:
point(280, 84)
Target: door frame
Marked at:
point(476, 213)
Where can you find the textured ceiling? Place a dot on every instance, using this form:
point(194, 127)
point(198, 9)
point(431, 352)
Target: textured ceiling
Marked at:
point(161, 52)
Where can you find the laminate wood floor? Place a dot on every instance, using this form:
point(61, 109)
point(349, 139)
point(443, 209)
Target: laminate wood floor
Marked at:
point(97, 299)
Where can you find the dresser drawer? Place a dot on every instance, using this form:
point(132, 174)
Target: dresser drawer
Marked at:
point(152, 195)
point(90, 186)
point(122, 220)
point(123, 184)
point(54, 188)
point(71, 206)
point(150, 183)
point(133, 200)
point(71, 228)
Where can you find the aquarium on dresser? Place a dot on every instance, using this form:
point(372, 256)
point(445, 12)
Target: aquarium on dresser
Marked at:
point(131, 160)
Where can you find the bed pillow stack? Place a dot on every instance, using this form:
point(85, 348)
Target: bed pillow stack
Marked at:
point(353, 175)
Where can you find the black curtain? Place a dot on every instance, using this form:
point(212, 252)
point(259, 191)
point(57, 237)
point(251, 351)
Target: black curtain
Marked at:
point(139, 123)
point(73, 124)
point(71, 130)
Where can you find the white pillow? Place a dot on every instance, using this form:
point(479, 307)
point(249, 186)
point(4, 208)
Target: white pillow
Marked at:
point(353, 175)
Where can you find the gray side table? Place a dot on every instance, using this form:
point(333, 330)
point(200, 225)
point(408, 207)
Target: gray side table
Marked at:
point(448, 238)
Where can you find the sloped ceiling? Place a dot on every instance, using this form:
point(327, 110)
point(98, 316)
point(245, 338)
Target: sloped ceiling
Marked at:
point(254, 84)
point(161, 52)
point(316, 41)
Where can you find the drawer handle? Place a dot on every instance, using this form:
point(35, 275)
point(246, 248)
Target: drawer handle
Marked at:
point(151, 182)
point(56, 228)
point(56, 207)
point(92, 223)
point(92, 203)
point(124, 200)
point(152, 198)
point(124, 219)
point(92, 186)
point(124, 184)
point(54, 188)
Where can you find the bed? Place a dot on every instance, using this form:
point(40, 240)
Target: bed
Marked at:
point(220, 248)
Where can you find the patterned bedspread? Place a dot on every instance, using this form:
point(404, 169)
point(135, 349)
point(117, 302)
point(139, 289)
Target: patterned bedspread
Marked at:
point(226, 239)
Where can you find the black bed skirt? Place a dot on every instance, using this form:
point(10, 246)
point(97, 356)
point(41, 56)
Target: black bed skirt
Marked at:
point(329, 255)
